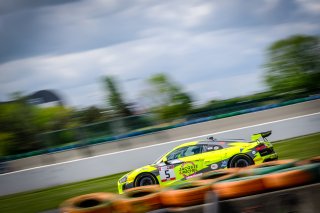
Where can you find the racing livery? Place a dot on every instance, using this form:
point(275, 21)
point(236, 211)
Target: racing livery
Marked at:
point(192, 159)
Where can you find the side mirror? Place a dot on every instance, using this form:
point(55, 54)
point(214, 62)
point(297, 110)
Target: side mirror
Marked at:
point(165, 160)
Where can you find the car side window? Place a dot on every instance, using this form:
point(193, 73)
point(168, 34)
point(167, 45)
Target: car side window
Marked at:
point(185, 152)
point(213, 147)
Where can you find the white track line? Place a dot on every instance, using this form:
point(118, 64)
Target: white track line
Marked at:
point(191, 138)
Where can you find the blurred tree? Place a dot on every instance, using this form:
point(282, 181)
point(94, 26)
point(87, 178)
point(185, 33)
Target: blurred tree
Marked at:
point(15, 119)
point(90, 115)
point(21, 123)
point(293, 65)
point(6, 143)
point(169, 99)
point(115, 99)
point(51, 118)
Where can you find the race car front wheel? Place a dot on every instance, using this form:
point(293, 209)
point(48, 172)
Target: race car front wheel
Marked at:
point(240, 161)
point(145, 179)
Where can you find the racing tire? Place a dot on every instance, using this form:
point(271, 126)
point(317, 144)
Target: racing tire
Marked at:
point(273, 163)
point(89, 203)
point(139, 199)
point(240, 161)
point(292, 177)
point(218, 175)
point(310, 160)
point(185, 194)
point(238, 187)
point(145, 179)
point(267, 167)
point(315, 159)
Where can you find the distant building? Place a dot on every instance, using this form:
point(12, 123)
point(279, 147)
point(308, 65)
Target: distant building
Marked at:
point(43, 98)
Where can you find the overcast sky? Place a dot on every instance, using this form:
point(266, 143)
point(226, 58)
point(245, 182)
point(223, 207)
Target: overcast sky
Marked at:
point(214, 49)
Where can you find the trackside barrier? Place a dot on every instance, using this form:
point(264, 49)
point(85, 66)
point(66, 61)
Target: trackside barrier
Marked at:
point(303, 199)
point(185, 194)
point(157, 129)
point(293, 192)
point(93, 203)
point(141, 199)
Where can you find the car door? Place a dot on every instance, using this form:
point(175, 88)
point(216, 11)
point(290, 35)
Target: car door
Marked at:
point(192, 162)
point(182, 163)
point(212, 157)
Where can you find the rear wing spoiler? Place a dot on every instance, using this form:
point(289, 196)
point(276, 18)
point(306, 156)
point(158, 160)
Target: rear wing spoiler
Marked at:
point(261, 135)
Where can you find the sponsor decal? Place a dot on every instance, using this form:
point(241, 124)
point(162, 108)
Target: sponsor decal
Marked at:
point(216, 147)
point(254, 152)
point(188, 169)
point(214, 166)
point(224, 164)
point(241, 149)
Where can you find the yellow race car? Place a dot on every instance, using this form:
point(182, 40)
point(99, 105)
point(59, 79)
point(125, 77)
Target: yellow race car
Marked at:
point(195, 158)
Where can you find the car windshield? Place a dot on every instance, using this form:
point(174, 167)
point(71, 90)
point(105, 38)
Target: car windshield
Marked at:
point(159, 158)
point(181, 152)
point(184, 152)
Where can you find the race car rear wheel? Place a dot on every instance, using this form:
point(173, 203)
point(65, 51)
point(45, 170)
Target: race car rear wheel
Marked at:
point(145, 179)
point(240, 161)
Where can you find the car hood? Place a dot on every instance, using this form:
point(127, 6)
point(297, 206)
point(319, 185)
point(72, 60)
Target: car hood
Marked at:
point(132, 175)
point(146, 168)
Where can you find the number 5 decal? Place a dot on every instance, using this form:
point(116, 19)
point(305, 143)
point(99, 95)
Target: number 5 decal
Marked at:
point(166, 173)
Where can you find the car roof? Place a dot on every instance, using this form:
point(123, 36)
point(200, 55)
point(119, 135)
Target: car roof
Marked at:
point(208, 142)
point(220, 141)
point(187, 144)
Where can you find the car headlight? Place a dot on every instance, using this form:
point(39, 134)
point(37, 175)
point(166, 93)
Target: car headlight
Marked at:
point(123, 179)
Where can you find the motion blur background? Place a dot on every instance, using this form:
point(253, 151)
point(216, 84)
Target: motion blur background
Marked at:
point(76, 73)
point(86, 86)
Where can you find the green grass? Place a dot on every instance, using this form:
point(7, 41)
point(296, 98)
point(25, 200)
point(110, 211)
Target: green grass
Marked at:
point(50, 198)
point(299, 148)
point(41, 200)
